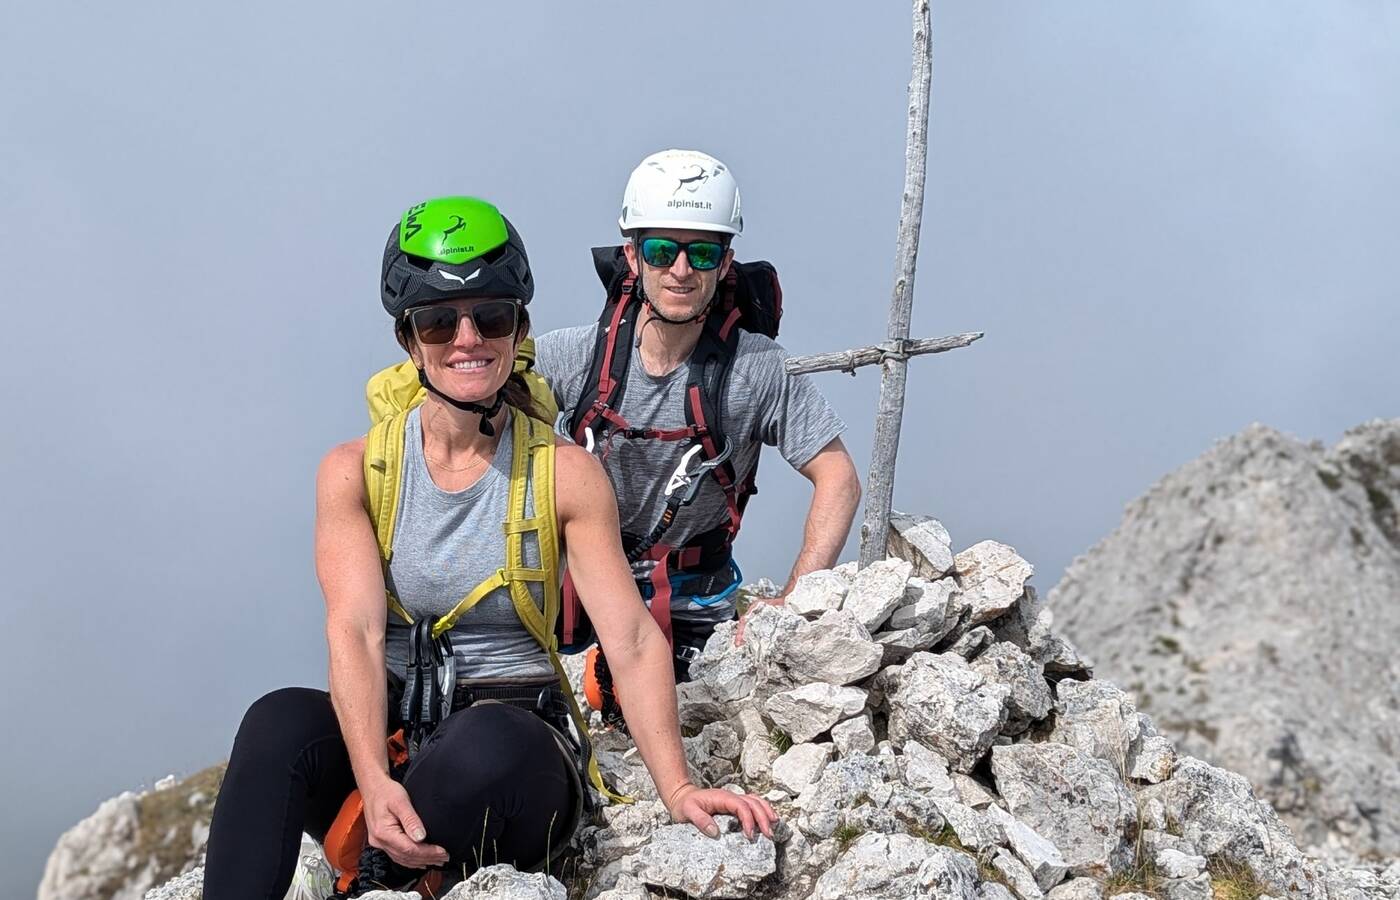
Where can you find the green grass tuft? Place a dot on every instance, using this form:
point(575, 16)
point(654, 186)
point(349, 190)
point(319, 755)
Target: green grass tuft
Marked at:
point(846, 834)
point(1230, 880)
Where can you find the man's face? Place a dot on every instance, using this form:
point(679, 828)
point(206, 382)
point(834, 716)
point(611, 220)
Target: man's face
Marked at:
point(678, 291)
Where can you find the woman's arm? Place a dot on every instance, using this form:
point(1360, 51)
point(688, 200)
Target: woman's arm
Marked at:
point(637, 652)
point(352, 580)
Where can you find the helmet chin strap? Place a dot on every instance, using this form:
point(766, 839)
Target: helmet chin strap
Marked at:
point(658, 314)
point(486, 412)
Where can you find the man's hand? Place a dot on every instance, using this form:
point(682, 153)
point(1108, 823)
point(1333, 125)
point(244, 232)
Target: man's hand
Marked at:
point(699, 806)
point(744, 619)
point(395, 828)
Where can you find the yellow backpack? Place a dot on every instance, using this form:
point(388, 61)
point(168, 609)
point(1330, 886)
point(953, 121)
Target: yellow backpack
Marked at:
point(391, 393)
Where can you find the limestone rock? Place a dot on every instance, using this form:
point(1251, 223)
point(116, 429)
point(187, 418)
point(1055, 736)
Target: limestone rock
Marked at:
point(972, 792)
point(801, 862)
point(817, 592)
point(622, 766)
point(791, 651)
point(680, 858)
point(993, 578)
point(807, 711)
point(1041, 858)
point(1017, 875)
point(801, 765)
point(1096, 718)
point(944, 703)
point(756, 758)
point(1077, 889)
point(821, 806)
point(1151, 759)
point(1030, 699)
point(973, 642)
point(1075, 801)
point(853, 735)
point(627, 826)
point(504, 882)
point(975, 830)
point(189, 886)
point(1196, 888)
point(926, 771)
point(926, 606)
point(891, 867)
point(1220, 816)
point(899, 645)
point(876, 591)
point(923, 541)
point(991, 890)
point(627, 887)
point(1172, 863)
point(714, 752)
point(947, 875)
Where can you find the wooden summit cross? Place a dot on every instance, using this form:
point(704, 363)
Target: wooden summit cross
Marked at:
point(894, 353)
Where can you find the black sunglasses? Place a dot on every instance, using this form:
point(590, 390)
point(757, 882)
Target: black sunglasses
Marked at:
point(438, 324)
point(662, 252)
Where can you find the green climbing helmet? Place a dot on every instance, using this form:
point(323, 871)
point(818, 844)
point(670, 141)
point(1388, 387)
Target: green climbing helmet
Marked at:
point(453, 247)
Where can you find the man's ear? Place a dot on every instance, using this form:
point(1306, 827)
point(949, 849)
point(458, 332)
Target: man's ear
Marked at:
point(629, 250)
point(724, 263)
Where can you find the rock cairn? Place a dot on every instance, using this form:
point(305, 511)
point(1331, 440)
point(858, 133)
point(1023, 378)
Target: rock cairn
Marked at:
point(923, 733)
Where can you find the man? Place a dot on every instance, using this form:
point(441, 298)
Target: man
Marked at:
point(680, 212)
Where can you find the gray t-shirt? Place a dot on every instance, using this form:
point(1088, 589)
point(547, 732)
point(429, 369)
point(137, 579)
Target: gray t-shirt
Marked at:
point(763, 405)
point(445, 544)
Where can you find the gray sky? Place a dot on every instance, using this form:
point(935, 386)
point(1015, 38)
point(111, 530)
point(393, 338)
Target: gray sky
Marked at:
point(1170, 219)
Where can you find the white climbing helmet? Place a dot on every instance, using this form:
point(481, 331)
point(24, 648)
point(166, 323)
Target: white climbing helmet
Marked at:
point(681, 189)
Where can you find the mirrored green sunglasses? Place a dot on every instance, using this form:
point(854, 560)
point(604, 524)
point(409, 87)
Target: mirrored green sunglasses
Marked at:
point(662, 252)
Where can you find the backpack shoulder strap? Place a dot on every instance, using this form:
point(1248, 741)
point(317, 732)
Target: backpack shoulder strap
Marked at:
point(612, 346)
point(383, 467)
point(706, 384)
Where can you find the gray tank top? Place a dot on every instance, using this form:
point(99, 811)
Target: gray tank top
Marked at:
point(445, 544)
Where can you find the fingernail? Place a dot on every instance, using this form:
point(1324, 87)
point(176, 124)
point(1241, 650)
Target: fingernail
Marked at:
point(712, 830)
point(419, 834)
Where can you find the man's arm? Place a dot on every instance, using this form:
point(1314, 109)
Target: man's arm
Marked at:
point(835, 498)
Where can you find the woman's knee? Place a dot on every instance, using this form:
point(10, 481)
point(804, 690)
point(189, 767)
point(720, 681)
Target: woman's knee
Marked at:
point(490, 744)
point(284, 721)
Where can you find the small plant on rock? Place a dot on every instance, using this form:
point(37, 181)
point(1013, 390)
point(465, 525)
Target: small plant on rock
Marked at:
point(846, 834)
point(1230, 880)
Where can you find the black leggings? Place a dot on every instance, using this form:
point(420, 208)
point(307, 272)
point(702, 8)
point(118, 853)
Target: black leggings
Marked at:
point(491, 781)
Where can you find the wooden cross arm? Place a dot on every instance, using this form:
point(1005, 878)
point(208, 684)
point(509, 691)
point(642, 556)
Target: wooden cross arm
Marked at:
point(850, 360)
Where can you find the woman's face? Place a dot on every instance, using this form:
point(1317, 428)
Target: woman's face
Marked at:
point(468, 367)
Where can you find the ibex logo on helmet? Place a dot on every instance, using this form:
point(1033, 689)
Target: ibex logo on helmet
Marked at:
point(693, 176)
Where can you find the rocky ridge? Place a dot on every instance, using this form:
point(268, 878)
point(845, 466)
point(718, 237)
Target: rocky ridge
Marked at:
point(1251, 602)
point(925, 734)
point(133, 841)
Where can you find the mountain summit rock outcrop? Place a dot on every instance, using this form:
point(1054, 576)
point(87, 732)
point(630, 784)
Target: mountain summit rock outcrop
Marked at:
point(923, 733)
point(1251, 602)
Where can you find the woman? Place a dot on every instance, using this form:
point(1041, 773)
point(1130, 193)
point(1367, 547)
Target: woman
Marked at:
point(487, 781)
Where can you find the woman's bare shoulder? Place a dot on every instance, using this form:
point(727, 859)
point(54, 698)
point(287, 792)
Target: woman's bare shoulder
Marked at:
point(579, 477)
point(343, 465)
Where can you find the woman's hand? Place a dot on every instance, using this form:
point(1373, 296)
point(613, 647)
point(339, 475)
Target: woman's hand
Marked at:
point(699, 806)
point(395, 828)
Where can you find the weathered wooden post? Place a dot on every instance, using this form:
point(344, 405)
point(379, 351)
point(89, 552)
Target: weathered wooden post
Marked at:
point(894, 353)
